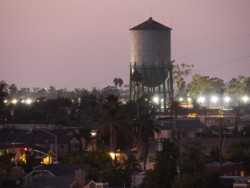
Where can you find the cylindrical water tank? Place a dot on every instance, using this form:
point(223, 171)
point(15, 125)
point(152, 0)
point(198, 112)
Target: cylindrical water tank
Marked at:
point(151, 51)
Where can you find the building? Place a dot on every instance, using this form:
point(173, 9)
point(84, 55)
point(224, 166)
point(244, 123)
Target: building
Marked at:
point(49, 145)
point(177, 129)
point(151, 58)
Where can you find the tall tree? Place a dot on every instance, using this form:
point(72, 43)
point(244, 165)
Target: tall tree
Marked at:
point(192, 157)
point(198, 86)
point(201, 85)
point(13, 90)
point(165, 167)
point(237, 87)
point(116, 82)
point(144, 127)
point(192, 168)
point(180, 72)
point(239, 151)
point(111, 115)
point(3, 94)
point(120, 82)
point(217, 85)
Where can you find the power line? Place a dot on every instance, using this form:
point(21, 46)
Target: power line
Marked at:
point(212, 47)
point(226, 62)
point(192, 54)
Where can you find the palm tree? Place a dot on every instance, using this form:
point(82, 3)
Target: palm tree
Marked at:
point(120, 82)
point(115, 117)
point(116, 82)
point(110, 109)
point(144, 128)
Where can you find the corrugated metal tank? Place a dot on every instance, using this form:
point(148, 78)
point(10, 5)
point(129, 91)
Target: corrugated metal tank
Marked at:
point(151, 51)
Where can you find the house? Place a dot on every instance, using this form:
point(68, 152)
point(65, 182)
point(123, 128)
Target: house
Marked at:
point(81, 183)
point(62, 175)
point(213, 143)
point(177, 129)
point(54, 175)
point(229, 168)
point(241, 182)
point(55, 143)
point(9, 143)
point(227, 120)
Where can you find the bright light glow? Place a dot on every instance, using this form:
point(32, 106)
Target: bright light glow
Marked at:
point(22, 101)
point(201, 99)
point(245, 98)
point(93, 133)
point(214, 99)
point(47, 160)
point(156, 99)
point(112, 155)
point(28, 101)
point(189, 99)
point(14, 101)
point(227, 99)
point(180, 99)
point(5, 101)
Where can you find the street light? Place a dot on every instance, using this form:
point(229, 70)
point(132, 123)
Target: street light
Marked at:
point(14, 101)
point(245, 99)
point(12, 111)
point(201, 99)
point(156, 99)
point(214, 99)
point(227, 99)
point(28, 101)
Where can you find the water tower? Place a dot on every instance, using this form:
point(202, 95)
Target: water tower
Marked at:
point(151, 57)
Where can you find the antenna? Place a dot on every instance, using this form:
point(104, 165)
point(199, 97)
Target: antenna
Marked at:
point(138, 18)
point(129, 25)
point(171, 12)
point(151, 11)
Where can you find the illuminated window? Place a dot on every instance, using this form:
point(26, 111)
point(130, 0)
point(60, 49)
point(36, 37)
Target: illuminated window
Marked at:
point(242, 173)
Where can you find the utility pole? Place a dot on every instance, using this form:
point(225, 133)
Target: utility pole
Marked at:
point(220, 142)
point(236, 122)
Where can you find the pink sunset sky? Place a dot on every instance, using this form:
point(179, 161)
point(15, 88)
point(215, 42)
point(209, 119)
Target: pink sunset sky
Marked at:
point(86, 43)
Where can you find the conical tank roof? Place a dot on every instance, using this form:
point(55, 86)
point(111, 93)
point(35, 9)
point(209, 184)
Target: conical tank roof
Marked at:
point(150, 24)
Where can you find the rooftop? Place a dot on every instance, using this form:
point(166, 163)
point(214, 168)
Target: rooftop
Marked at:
point(150, 24)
